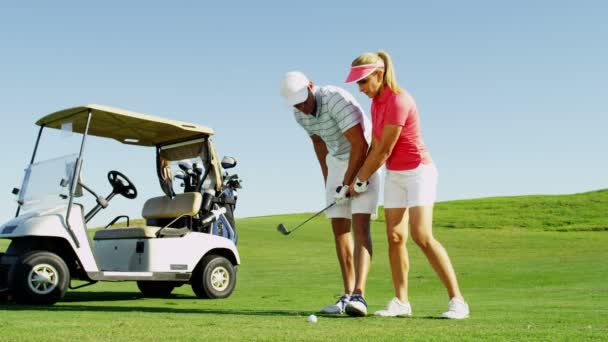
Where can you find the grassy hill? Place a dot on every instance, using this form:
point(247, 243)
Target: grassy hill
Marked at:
point(578, 212)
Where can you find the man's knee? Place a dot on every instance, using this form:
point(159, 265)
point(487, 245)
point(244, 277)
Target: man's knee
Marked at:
point(340, 226)
point(361, 225)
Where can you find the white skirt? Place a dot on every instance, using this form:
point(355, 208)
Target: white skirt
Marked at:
point(411, 188)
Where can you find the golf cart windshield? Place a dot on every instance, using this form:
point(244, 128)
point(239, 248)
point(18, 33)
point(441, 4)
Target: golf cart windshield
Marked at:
point(47, 183)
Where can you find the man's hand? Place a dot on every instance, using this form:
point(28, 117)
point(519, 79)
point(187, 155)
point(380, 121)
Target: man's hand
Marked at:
point(341, 195)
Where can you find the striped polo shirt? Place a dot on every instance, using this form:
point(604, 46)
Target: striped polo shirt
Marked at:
point(337, 112)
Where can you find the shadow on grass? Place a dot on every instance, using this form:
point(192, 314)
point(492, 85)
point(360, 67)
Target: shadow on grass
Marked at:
point(164, 310)
point(376, 317)
point(105, 296)
point(74, 298)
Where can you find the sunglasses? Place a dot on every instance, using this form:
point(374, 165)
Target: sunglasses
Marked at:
point(366, 79)
point(363, 81)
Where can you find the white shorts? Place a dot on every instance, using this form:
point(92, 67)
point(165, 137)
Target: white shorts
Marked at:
point(411, 188)
point(365, 203)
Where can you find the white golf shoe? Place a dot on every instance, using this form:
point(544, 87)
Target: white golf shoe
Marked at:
point(395, 308)
point(457, 309)
point(338, 308)
point(356, 307)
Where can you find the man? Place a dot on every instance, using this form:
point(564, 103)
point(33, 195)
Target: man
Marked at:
point(340, 135)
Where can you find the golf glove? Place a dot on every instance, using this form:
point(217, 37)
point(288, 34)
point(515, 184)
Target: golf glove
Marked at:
point(341, 195)
point(360, 186)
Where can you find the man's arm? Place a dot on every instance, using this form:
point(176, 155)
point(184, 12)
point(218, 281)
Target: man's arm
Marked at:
point(358, 152)
point(321, 152)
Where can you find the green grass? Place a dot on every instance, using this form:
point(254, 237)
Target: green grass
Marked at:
point(521, 284)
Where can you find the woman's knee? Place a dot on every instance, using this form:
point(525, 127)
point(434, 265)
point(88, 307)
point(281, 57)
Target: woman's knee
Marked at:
point(423, 240)
point(396, 237)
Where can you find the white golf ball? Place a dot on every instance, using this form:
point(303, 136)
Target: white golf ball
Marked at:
point(312, 319)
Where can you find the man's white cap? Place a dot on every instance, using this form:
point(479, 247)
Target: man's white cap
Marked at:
point(294, 88)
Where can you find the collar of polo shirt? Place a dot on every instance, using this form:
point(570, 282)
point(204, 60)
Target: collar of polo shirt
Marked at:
point(315, 92)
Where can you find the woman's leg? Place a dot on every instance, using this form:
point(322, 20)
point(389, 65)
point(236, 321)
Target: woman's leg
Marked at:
point(396, 233)
point(421, 222)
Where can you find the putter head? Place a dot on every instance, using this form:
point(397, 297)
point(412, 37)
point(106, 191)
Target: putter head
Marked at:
point(281, 228)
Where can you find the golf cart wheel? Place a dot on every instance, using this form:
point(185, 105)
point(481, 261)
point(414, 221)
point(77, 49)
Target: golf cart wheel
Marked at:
point(215, 277)
point(157, 289)
point(39, 278)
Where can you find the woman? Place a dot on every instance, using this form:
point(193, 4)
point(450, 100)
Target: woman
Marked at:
point(410, 184)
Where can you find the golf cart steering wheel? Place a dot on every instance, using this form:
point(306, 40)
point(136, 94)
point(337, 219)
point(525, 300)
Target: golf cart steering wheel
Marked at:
point(122, 185)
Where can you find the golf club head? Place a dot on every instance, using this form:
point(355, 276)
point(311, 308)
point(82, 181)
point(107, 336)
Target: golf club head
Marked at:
point(185, 166)
point(180, 175)
point(281, 228)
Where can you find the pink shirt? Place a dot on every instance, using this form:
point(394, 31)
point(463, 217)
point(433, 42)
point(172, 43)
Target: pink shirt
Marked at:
point(400, 109)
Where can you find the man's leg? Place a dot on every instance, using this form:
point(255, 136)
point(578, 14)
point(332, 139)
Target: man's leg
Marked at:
point(344, 250)
point(362, 251)
point(362, 207)
point(357, 306)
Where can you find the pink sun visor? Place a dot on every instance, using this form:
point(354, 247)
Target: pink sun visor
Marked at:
point(360, 72)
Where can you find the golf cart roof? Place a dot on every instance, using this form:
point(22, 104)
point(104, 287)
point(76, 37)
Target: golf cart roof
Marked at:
point(125, 126)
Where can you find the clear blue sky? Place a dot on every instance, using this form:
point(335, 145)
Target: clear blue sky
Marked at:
point(513, 96)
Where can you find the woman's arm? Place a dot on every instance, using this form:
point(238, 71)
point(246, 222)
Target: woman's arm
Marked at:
point(379, 153)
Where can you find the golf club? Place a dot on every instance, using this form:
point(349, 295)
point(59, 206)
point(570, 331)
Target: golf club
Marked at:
point(281, 228)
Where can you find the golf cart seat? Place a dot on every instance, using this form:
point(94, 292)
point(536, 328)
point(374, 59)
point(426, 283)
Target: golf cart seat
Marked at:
point(155, 210)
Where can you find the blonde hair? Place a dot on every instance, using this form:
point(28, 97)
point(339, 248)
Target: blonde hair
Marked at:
point(381, 56)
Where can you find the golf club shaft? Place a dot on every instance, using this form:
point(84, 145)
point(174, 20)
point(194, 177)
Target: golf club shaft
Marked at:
point(313, 216)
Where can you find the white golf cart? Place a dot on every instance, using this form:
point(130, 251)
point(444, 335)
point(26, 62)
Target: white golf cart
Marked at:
point(188, 238)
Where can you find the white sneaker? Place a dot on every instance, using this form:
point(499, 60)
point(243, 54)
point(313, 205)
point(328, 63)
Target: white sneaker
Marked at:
point(338, 308)
point(457, 309)
point(395, 308)
point(357, 306)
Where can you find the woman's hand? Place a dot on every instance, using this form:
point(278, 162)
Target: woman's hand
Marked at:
point(352, 193)
point(358, 187)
